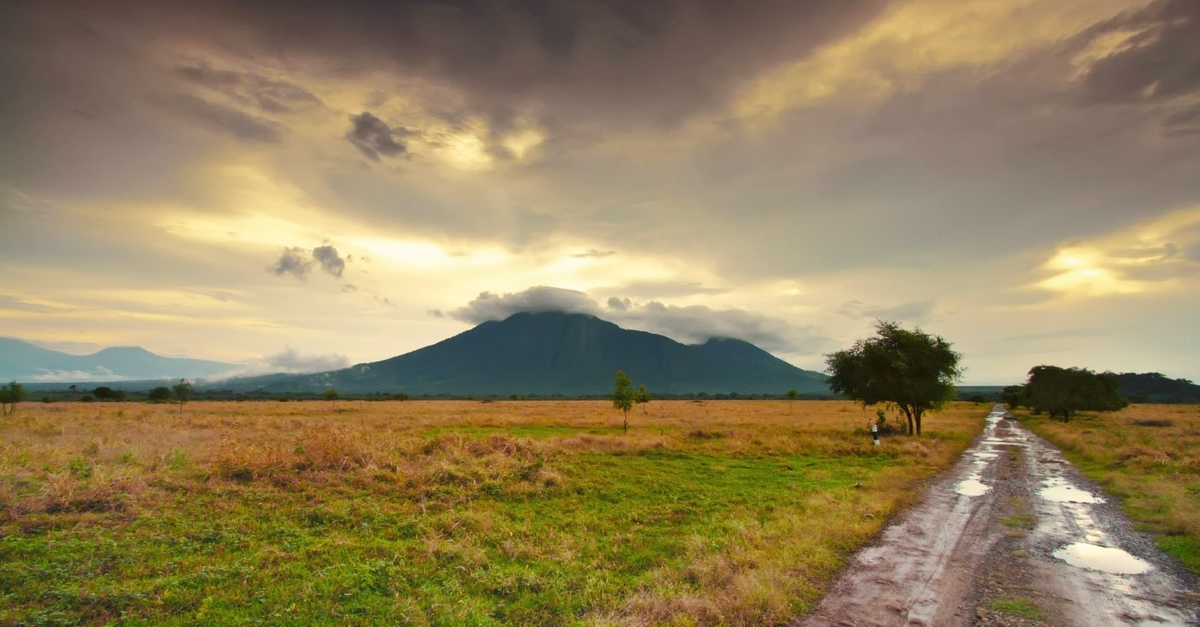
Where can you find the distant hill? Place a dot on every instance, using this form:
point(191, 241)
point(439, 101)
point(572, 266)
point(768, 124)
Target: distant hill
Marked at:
point(557, 353)
point(1152, 387)
point(24, 362)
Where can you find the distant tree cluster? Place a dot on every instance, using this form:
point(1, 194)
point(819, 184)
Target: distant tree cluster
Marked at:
point(1062, 391)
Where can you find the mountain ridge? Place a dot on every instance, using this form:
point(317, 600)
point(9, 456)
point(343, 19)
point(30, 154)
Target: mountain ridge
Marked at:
point(547, 353)
point(24, 361)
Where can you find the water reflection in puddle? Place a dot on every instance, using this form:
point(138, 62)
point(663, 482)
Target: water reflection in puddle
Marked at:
point(1102, 558)
point(972, 487)
point(1058, 490)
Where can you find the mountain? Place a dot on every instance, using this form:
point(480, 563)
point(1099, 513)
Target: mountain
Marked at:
point(1152, 387)
point(22, 361)
point(558, 353)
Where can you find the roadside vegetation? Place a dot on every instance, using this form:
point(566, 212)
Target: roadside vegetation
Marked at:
point(445, 512)
point(1148, 456)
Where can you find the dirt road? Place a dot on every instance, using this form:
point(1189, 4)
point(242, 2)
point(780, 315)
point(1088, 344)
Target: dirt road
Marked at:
point(1012, 535)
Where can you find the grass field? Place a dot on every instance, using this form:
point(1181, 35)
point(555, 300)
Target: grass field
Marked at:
point(444, 512)
point(1148, 456)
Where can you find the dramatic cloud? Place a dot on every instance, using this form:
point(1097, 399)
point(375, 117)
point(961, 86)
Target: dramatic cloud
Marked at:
point(1157, 57)
point(329, 259)
point(298, 262)
point(984, 168)
point(293, 261)
point(373, 138)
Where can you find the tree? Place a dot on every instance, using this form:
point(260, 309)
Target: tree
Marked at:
point(642, 397)
point(182, 392)
point(910, 369)
point(1060, 391)
point(1013, 396)
point(977, 398)
point(332, 396)
point(10, 395)
point(159, 394)
point(791, 396)
point(120, 396)
point(399, 396)
point(622, 397)
point(104, 393)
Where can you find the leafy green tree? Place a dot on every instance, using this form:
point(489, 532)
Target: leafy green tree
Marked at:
point(332, 396)
point(1013, 396)
point(10, 395)
point(104, 393)
point(791, 396)
point(399, 396)
point(182, 392)
point(622, 397)
point(977, 398)
point(159, 394)
point(1061, 391)
point(910, 369)
point(642, 397)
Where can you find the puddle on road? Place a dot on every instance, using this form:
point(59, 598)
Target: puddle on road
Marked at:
point(1101, 558)
point(972, 487)
point(1059, 490)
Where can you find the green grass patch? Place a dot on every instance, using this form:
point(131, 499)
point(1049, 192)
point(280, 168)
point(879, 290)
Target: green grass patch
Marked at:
point(1018, 606)
point(441, 517)
point(1020, 521)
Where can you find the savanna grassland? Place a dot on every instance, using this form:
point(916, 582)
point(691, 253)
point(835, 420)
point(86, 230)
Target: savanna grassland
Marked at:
point(445, 512)
point(1148, 456)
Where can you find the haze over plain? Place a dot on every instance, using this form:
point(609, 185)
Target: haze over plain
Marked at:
point(304, 186)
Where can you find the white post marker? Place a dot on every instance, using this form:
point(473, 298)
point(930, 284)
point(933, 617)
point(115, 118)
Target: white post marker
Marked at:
point(875, 433)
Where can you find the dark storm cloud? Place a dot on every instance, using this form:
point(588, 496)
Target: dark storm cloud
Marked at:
point(1161, 62)
point(692, 324)
point(329, 259)
point(648, 61)
point(293, 261)
point(373, 137)
point(223, 119)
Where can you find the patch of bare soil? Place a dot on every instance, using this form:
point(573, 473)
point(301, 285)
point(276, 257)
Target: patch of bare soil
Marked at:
point(1011, 536)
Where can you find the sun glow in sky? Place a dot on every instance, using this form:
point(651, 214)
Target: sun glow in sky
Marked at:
point(208, 179)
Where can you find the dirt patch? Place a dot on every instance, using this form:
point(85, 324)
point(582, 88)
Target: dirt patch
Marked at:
point(1012, 535)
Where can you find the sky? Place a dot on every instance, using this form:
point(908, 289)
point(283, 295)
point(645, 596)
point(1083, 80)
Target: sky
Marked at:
point(308, 184)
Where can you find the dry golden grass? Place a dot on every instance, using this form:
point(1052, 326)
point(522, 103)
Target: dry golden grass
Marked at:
point(718, 512)
point(1149, 457)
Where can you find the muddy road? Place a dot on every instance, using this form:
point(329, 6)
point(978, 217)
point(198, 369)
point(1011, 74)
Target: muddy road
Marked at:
point(1012, 535)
